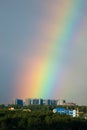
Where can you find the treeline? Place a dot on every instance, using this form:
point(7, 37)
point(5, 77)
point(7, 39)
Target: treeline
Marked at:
point(44, 107)
point(40, 118)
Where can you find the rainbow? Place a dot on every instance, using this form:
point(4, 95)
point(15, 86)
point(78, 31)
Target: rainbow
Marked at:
point(42, 74)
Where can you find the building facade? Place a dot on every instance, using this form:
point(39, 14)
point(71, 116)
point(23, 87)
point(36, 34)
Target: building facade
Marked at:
point(18, 102)
point(73, 113)
point(34, 101)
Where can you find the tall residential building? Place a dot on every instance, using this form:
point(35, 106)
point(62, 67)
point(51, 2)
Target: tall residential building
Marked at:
point(35, 101)
point(53, 102)
point(18, 102)
point(61, 102)
point(40, 101)
point(27, 101)
point(46, 102)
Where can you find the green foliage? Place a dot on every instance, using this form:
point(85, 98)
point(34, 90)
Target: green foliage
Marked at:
point(40, 118)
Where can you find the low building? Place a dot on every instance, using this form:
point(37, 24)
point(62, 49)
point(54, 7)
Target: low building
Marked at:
point(73, 113)
point(69, 104)
point(11, 109)
point(27, 110)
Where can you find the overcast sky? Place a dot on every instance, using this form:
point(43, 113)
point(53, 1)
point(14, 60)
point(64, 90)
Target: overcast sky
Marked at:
point(27, 29)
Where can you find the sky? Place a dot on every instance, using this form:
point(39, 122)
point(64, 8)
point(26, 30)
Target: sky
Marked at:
point(43, 49)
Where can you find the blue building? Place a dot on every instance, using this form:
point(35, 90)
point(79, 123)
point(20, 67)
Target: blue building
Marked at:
point(46, 102)
point(18, 102)
point(73, 113)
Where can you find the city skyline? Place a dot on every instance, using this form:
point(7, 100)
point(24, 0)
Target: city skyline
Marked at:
point(41, 101)
point(43, 49)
